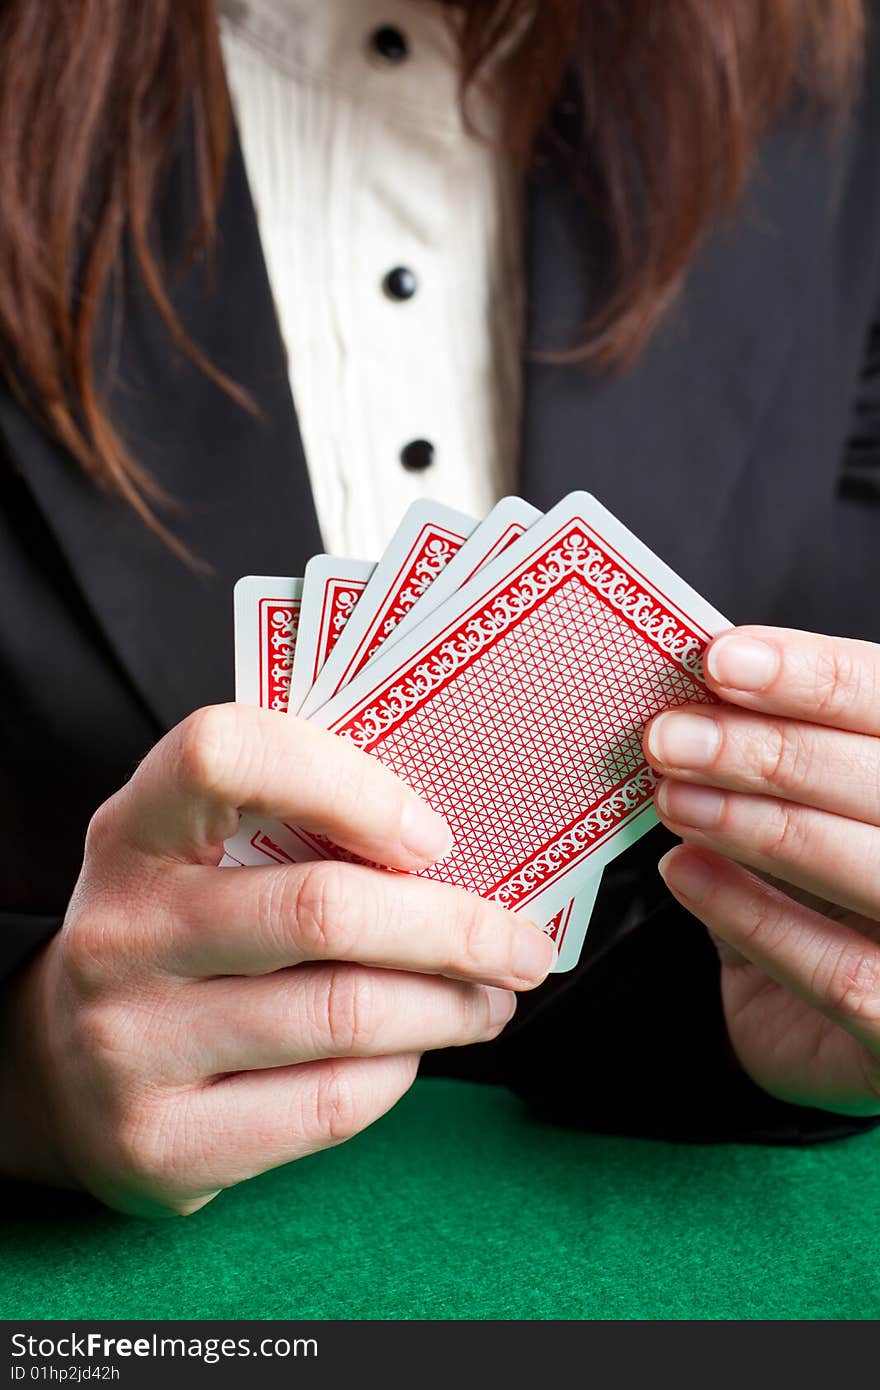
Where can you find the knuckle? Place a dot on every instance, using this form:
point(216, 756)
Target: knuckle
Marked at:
point(838, 679)
point(785, 756)
point(349, 1015)
point(479, 936)
point(276, 903)
point(852, 990)
point(766, 921)
point(101, 1034)
point(206, 746)
point(341, 776)
point(351, 775)
point(322, 908)
point(782, 835)
point(141, 1136)
point(101, 833)
point(88, 949)
point(337, 1108)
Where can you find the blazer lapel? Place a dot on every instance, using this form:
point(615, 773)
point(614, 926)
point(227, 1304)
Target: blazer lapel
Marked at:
point(663, 444)
point(239, 480)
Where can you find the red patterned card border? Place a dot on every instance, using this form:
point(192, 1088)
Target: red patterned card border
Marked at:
point(278, 625)
point(514, 531)
point(429, 554)
point(263, 842)
point(558, 925)
point(340, 600)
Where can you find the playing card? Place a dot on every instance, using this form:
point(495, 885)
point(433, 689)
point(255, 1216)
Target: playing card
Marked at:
point(315, 618)
point(331, 588)
point(266, 619)
point(423, 544)
point(266, 610)
point(517, 708)
point(568, 927)
point(506, 522)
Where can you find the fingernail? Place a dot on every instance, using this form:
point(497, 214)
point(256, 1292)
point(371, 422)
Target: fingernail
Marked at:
point(502, 1005)
point(742, 663)
point(534, 954)
point(700, 807)
point(686, 874)
point(423, 832)
point(684, 740)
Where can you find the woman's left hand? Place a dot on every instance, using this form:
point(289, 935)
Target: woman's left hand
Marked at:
point(784, 777)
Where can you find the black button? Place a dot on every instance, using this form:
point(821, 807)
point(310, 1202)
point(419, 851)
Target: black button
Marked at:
point(417, 455)
point(389, 43)
point(400, 283)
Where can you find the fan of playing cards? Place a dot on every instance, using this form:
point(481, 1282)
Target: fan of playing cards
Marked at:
point(505, 670)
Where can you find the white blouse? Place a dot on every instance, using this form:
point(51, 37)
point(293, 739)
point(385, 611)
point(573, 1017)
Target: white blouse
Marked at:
point(406, 384)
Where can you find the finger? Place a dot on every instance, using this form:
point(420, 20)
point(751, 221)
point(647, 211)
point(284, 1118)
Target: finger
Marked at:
point(830, 857)
point(827, 680)
point(725, 747)
point(315, 1012)
point(825, 962)
point(251, 921)
point(248, 1123)
point(184, 799)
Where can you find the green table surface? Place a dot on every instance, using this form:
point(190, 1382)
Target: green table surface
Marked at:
point(460, 1205)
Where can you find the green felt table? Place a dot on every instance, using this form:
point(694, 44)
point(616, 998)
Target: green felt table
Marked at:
point(460, 1205)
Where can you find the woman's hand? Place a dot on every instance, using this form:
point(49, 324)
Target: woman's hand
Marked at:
point(784, 777)
point(193, 1026)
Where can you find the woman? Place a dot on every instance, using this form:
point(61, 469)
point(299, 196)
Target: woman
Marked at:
point(688, 195)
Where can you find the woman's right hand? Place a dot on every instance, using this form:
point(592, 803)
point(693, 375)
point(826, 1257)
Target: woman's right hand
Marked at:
point(190, 1027)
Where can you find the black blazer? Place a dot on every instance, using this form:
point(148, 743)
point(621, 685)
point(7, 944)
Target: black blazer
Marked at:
point(743, 447)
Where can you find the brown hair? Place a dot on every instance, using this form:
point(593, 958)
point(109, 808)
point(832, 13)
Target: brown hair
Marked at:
point(675, 95)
